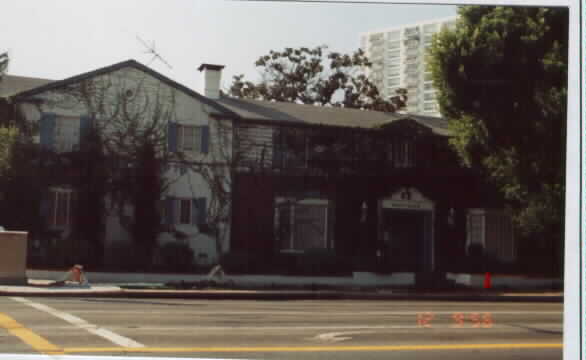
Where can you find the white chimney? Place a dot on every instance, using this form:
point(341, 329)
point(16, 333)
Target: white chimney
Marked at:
point(212, 76)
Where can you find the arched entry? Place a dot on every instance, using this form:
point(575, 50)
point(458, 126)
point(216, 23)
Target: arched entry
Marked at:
point(406, 228)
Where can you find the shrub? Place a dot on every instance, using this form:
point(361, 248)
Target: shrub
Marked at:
point(176, 257)
point(245, 263)
point(319, 262)
point(121, 256)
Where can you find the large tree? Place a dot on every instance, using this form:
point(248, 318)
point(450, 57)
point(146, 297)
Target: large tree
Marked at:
point(501, 76)
point(8, 134)
point(316, 76)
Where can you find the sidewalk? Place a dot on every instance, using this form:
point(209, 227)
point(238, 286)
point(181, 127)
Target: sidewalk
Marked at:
point(41, 288)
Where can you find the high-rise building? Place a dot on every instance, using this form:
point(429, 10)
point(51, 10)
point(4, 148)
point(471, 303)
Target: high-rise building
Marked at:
point(398, 57)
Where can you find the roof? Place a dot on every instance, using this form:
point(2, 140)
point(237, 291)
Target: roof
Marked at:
point(104, 70)
point(300, 114)
point(11, 84)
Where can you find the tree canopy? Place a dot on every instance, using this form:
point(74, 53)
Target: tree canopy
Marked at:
point(316, 76)
point(501, 76)
point(8, 134)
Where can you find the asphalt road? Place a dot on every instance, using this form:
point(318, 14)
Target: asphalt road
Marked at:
point(281, 329)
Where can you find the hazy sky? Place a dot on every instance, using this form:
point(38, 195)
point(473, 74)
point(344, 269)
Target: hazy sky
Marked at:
point(61, 38)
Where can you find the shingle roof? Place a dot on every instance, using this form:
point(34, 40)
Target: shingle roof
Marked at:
point(128, 63)
point(11, 84)
point(290, 113)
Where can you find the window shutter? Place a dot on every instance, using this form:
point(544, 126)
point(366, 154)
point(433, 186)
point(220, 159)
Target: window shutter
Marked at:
point(172, 137)
point(200, 215)
point(85, 126)
point(46, 208)
point(170, 211)
point(47, 125)
point(195, 212)
point(205, 139)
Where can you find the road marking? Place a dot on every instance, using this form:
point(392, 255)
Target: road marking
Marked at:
point(35, 341)
point(329, 313)
point(318, 348)
point(339, 336)
point(82, 324)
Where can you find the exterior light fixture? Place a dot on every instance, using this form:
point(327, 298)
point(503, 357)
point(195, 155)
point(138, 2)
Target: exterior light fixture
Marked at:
point(451, 217)
point(364, 212)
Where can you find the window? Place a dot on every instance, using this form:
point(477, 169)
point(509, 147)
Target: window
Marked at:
point(189, 138)
point(60, 209)
point(394, 54)
point(401, 153)
point(66, 134)
point(393, 81)
point(429, 107)
point(185, 211)
point(394, 35)
point(302, 224)
point(394, 45)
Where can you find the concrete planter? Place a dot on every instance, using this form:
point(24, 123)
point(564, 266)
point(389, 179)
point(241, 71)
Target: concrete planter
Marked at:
point(13, 257)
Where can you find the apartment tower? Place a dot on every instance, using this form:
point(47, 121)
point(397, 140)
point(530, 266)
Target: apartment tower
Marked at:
point(398, 56)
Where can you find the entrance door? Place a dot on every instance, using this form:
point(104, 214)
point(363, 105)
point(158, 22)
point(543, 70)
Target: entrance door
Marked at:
point(403, 233)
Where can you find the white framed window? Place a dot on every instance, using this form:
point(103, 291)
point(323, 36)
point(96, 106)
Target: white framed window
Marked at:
point(429, 106)
point(302, 224)
point(60, 208)
point(189, 138)
point(401, 153)
point(394, 45)
point(66, 133)
point(394, 35)
point(394, 54)
point(393, 81)
point(185, 211)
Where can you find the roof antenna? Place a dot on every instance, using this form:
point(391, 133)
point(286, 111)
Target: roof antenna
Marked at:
point(151, 50)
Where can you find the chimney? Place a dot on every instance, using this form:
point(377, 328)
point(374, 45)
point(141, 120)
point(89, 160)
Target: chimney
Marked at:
point(212, 77)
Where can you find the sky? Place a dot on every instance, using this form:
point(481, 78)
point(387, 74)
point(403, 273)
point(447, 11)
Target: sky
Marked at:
point(61, 38)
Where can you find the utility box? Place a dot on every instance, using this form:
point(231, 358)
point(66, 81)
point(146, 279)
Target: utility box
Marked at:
point(13, 247)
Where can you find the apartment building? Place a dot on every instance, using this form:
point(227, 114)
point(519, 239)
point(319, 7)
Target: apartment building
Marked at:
point(398, 61)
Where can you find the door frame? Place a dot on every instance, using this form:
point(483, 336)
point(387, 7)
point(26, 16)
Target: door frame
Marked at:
point(415, 202)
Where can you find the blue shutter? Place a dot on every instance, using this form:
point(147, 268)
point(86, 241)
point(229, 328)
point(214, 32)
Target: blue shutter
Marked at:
point(170, 211)
point(47, 125)
point(172, 137)
point(47, 207)
point(199, 216)
point(195, 212)
point(205, 139)
point(85, 126)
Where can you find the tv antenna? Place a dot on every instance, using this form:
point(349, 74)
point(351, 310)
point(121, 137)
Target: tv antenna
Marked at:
point(151, 50)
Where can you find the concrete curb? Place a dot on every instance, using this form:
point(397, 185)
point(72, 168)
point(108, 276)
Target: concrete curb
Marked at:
point(285, 295)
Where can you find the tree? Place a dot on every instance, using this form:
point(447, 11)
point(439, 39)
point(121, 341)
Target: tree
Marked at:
point(317, 77)
point(501, 76)
point(8, 134)
point(122, 158)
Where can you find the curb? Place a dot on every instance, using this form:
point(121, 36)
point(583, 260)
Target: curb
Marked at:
point(276, 296)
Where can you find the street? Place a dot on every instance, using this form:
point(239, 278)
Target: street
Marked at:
point(280, 329)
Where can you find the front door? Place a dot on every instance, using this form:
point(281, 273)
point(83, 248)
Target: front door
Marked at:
point(403, 233)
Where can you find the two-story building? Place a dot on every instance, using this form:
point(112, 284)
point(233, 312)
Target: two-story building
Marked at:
point(282, 181)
